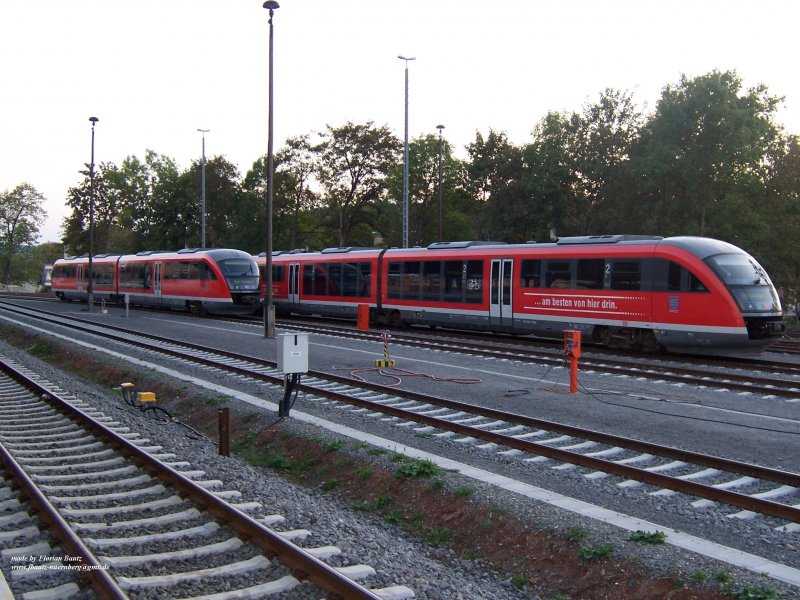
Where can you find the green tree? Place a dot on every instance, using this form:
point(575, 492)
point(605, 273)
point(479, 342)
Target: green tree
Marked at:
point(706, 144)
point(77, 223)
point(601, 140)
point(550, 178)
point(495, 182)
point(21, 215)
point(354, 160)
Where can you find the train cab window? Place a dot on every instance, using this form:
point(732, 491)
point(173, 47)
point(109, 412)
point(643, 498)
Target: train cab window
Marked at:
point(674, 277)
point(432, 280)
point(590, 273)
point(670, 276)
point(696, 284)
point(625, 275)
point(530, 273)
point(558, 275)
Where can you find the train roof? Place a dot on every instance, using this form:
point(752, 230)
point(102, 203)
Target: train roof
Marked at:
point(702, 247)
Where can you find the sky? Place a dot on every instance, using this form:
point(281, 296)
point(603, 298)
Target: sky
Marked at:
point(155, 71)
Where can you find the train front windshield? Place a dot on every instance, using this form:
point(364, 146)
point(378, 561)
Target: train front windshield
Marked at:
point(240, 273)
point(747, 281)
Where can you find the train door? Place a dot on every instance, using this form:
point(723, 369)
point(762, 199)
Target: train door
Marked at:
point(79, 276)
point(294, 286)
point(501, 312)
point(157, 279)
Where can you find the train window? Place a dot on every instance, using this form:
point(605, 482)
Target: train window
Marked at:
point(315, 280)
point(453, 281)
point(393, 280)
point(432, 280)
point(591, 272)
point(695, 284)
point(349, 278)
point(65, 271)
point(410, 282)
point(102, 274)
point(557, 274)
point(529, 273)
point(626, 275)
point(278, 273)
point(134, 275)
point(674, 277)
point(671, 277)
point(738, 269)
point(474, 292)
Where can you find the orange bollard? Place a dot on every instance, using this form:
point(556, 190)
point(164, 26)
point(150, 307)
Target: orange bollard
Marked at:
point(363, 317)
point(572, 350)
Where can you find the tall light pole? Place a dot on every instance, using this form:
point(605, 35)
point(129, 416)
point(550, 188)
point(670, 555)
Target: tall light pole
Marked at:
point(203, 191)
point(440, 127)
point(90, 287)
point(269, 309)
point(405, 163)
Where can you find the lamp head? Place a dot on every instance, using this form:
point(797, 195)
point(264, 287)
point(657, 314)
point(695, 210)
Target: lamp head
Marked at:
point(440, 127)
point(271, 5)
point(93, 120)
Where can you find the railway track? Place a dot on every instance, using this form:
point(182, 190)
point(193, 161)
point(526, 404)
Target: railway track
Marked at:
point(782, 380)
point(130, 520)
point(656, 469)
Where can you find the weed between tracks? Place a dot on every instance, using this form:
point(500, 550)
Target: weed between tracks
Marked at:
point(412, 495)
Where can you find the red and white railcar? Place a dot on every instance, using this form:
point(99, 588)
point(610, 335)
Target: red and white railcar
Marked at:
point(684, 294)
point(214, 281)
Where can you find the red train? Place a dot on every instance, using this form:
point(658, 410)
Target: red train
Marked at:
point(683, 294)
point(200, 281)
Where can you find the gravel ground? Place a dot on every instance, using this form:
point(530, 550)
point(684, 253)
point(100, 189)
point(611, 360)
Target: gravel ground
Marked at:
point(435, 573)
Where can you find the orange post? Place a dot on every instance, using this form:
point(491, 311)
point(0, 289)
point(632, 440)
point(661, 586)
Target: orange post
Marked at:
point(572, 350)
point(363, 317)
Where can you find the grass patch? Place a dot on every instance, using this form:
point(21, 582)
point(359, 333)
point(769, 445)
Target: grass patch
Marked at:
point(419, 469)
point(589, 554)
point(575, 534)
point(756, 592)
point(464, 491)
point(646, 537)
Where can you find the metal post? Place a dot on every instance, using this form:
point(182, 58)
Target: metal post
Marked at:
point(203, 191)
point(440, 127)
point(269, 309)
point(223, 417)
point(405, 163)
point(90, 287)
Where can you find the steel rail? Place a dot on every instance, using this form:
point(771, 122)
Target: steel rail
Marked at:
point(304, 565)
point(744, 501)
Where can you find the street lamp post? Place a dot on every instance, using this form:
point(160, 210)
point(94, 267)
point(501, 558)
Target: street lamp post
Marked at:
point(440, 127)
point(269, 309)
point(405, 163)
point(90, 286)
point(203, 191)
